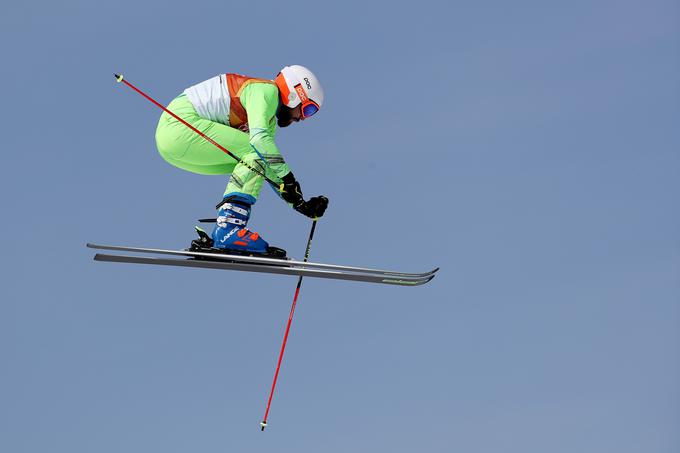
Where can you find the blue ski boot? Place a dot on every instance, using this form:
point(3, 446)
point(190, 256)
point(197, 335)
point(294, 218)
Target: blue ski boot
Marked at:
point(231, 236)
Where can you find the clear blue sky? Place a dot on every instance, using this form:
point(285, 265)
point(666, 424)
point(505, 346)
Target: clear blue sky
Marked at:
point(531, 149)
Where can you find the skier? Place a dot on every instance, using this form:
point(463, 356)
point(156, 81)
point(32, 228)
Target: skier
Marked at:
point(241, 114)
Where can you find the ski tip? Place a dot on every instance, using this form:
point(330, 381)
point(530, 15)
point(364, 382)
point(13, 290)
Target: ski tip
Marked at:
point(426, 280)
point(407, 282)
point(263, 425)
point(435, 270)
point(119, 77)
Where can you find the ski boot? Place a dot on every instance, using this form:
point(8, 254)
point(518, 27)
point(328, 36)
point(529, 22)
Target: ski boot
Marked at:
point(230, 235)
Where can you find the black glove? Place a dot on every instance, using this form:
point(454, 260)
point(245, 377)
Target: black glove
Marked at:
point(314, 208)
point(291, 191)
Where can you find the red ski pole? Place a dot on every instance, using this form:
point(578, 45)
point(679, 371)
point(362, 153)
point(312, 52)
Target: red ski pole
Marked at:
point(119, 78)
point(263, 424)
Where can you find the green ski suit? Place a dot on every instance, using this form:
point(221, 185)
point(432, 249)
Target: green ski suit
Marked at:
point(183, 148)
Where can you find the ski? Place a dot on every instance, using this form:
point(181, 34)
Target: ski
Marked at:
point(263, 260)
point(265, 268)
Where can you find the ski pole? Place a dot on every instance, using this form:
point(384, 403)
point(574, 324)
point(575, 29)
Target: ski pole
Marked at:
point(263, 424)
point(119, 78)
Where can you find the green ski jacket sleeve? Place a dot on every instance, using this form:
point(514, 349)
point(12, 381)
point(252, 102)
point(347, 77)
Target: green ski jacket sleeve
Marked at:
point(261, 100)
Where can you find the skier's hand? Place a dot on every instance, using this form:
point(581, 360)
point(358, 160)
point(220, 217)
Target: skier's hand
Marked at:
point(313, 208)
point(290, 190)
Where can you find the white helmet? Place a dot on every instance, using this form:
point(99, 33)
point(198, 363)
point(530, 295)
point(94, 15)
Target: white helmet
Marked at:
point(297, 85)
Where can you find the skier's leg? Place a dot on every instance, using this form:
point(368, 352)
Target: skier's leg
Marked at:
point(183, 148)
point(244, 184)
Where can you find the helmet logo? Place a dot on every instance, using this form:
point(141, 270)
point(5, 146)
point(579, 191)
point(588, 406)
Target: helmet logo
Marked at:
point(309, 85)
point(301, 93)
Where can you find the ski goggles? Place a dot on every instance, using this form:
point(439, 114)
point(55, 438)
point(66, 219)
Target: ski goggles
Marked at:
point(309, 107)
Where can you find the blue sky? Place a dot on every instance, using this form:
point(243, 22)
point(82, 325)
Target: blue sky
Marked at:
point(530, 149)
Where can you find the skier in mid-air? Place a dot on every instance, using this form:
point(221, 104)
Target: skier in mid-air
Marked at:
point(218, 112)
point(241, 114)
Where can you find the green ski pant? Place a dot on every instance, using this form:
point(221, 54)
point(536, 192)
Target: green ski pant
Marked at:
point(185, 149)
